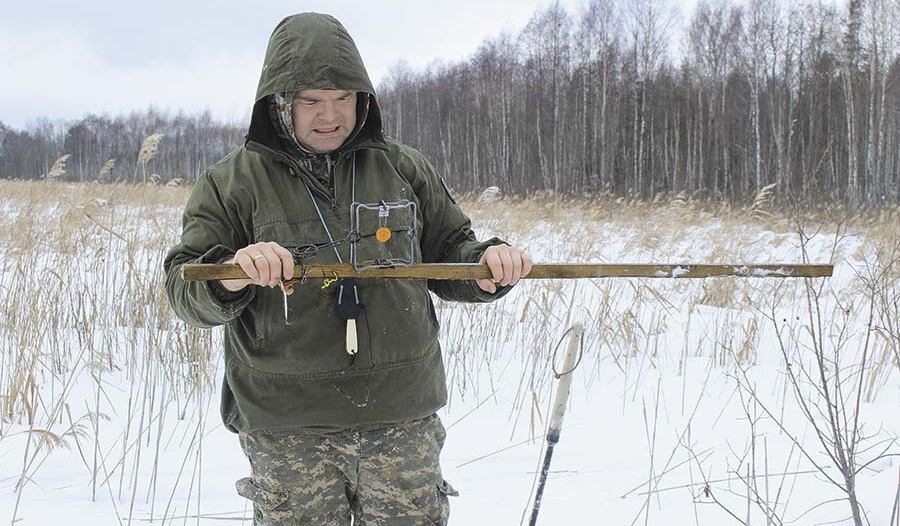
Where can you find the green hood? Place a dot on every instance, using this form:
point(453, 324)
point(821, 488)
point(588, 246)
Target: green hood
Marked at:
point(311, 51)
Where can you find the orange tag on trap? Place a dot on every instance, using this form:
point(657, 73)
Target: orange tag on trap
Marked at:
point(383, 234)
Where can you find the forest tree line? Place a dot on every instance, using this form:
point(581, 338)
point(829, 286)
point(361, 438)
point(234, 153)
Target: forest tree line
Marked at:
point(621, 98)
point(188, 143)
point(802, 95)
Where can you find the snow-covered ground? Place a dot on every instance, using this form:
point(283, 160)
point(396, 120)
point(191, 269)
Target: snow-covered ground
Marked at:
point(681, 412)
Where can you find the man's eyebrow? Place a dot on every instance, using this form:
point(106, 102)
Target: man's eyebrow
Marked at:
point(314, 99)
point(308, 98)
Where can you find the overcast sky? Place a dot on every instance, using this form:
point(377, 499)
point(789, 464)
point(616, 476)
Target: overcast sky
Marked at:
point(63, 59)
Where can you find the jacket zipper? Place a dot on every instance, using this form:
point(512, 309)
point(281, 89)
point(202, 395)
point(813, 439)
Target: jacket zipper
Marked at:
point(333, 195)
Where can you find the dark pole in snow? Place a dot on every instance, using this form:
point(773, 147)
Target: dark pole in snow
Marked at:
point(559, 410)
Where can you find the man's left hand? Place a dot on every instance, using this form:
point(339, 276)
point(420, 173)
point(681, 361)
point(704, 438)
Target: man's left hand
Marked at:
point(508, 265)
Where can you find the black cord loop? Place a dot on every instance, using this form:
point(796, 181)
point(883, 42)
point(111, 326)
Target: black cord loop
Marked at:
point(558, 374)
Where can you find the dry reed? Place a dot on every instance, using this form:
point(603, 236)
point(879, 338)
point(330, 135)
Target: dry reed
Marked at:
point(83, 307)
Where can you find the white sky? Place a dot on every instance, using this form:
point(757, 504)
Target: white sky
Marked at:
point(64, 59)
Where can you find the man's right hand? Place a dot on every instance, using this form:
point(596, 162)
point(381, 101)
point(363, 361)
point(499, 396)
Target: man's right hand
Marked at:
point(266, 263)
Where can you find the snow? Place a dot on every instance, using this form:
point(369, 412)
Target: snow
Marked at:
point(679, 271)
point(662, 393)
point(761, 272)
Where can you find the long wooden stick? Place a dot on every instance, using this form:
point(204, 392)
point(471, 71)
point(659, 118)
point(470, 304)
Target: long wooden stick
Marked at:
point(205, 272)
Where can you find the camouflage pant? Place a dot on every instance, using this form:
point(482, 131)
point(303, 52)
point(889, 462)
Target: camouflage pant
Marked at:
point(384, 476)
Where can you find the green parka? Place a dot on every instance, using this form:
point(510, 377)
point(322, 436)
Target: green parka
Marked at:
point(282, 376)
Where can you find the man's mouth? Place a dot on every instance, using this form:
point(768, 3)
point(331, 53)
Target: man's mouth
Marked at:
point(326, 131)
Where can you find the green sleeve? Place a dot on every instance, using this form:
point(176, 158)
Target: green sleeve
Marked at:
point(211, 233)
point(447, 235)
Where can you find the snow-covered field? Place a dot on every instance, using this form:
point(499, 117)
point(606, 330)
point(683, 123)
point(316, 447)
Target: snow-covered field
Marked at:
point(682, 410)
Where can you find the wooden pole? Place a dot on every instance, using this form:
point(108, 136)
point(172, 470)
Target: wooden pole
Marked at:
point(206, 272)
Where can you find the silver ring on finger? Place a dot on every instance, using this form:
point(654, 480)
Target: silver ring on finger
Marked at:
point(258, 256)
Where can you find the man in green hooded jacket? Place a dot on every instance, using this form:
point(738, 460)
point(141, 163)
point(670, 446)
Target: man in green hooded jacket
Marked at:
point(333, 430)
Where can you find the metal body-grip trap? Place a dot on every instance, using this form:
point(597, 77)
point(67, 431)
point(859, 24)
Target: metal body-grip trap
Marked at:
point(382, 234)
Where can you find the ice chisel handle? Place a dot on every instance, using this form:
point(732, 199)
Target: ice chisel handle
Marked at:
point(565, 382)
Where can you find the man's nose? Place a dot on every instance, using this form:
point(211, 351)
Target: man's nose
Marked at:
point(328, 111)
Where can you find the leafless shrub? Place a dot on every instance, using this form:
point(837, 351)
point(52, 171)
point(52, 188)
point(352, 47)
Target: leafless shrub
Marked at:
point(828, 392)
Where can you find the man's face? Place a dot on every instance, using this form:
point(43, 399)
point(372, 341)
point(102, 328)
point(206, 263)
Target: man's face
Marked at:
point(324, 118)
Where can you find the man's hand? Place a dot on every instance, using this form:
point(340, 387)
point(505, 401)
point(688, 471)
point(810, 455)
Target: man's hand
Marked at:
point(508, 264)
point(266, 263)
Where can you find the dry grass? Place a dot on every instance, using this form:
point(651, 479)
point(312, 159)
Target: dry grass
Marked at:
point(83, 302)
point(58, 169)
point(149, 148)
point(105, 173)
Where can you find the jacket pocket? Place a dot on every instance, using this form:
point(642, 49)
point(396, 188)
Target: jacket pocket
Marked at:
point(308, 342)
point(437, 506)
point(402, 324)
